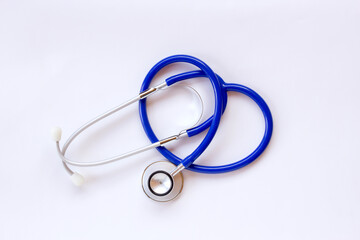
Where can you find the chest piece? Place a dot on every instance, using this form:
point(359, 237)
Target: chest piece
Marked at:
point(158, 183)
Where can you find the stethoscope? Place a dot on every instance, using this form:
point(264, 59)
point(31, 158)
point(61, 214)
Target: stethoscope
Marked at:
point(163, 181)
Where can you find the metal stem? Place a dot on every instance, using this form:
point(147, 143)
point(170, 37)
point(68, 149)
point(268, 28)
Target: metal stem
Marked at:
point(178, 169)
point(97, 119)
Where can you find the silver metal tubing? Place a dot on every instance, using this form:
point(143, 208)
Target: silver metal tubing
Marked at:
point(162, 142)
point(97, 119)
point(66, 167)
point(108, 160)
point(110, 112)
point(100, 117)
point(113, 159)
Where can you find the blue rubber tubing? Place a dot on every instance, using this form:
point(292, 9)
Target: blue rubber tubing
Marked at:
point(214, 123)
point(226, 87)
point(198, 129)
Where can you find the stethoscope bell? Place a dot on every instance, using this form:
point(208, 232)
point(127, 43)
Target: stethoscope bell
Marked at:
point(160, 183)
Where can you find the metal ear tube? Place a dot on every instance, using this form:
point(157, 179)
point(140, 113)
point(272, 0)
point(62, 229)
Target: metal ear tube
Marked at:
point(78, 179)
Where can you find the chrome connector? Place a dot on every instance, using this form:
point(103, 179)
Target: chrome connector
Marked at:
point(178, 169)
point(146, 93)
point(150, 91)
point(166, 140)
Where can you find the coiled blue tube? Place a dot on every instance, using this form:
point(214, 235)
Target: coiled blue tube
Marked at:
point(217, 112)
point(209, 122)
point(263, 144)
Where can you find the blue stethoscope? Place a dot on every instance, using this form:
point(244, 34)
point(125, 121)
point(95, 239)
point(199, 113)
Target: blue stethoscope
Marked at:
point(163, 180)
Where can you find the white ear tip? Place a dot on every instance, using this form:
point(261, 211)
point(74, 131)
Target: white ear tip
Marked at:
point(56, 134)
point(77, 179)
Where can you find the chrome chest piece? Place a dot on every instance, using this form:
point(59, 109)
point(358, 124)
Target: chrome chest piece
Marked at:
point(162, 181)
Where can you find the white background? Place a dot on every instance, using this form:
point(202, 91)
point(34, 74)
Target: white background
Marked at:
point(64, 62)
